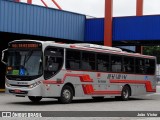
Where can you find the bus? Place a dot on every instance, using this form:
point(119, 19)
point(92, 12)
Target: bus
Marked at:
point(47, 69)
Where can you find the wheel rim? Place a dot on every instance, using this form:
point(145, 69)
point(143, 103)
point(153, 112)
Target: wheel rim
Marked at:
point(125, 93)
point(66, 94)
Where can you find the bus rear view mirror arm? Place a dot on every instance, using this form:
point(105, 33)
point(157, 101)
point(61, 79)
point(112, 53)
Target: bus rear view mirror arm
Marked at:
point(3, 55)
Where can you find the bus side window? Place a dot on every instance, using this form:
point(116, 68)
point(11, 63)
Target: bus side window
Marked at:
point(140, 67)
point(72, 59)
point(128, 64)
point(116, 63)
point(53, 61)
point(149, 66)
point(102, 62)
point(51, 64)
point(88, 61)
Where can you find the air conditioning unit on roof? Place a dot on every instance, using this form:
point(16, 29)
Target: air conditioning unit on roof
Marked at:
point(98, 47)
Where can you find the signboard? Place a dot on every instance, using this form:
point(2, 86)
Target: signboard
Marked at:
point(25, 45)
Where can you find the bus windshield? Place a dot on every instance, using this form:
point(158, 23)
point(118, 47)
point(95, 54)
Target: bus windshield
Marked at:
point(24, 63)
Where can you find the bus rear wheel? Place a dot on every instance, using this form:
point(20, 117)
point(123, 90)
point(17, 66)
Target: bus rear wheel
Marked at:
point(35, 99)
point(66, 95)
point(125, 94)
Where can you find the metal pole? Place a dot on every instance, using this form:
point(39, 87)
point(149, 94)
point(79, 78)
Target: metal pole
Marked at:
point(108, 23)
point(29, 1)
point(139, 12)
point(139, 8)
point(57, 4)
point(44, 3)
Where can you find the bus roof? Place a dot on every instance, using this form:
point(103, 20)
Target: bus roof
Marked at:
point(89, 47)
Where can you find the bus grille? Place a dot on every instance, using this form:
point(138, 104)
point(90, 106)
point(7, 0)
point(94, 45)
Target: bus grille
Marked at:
point(19, 85)
point(21, 92)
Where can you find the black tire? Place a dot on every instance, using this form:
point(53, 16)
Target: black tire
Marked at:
point(35, 99)
point(98, 98)
point(66, 95)
point(125, 93)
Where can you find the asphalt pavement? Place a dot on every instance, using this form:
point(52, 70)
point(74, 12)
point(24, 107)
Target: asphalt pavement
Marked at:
point(149, 103)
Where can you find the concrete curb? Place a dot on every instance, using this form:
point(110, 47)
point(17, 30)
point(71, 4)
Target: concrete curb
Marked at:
point(2, 90)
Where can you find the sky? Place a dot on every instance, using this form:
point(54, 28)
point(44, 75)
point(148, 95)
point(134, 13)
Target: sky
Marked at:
point(95, 8)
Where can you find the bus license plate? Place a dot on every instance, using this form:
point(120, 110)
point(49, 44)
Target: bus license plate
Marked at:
point(17, 91)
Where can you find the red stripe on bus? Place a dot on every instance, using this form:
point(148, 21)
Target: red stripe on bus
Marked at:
point(82, 77)
point(147, 83)
point(88, 89)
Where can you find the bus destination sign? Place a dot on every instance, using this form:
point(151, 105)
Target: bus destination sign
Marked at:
point(25, 45)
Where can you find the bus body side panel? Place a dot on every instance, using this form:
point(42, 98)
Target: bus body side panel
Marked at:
point(138, 89)
point(96, 83)
point(150, 82)
point(51, 90)
point(85, 84)
point(90, 84)
point(52, 87)
point(76, 82)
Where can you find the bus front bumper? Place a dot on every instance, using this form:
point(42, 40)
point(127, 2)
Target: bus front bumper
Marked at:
point(23, 91)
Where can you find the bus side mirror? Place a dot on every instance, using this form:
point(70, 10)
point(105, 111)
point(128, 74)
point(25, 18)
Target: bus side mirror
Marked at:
point(4, 56)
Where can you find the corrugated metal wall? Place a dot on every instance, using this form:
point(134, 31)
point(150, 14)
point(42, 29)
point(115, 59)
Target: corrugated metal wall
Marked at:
point(136, 28)
point(94, 30)
point(11, 0)
point(36, 20)
point(125, 28)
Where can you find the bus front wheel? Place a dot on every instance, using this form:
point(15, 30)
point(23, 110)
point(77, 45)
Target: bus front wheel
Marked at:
point(35, 99)
point(66, 95)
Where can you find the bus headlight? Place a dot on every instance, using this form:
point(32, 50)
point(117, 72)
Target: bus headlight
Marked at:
point(8, 85)
point(34, 84)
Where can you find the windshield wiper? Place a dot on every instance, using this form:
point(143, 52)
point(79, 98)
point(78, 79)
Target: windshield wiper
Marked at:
point(28, 56)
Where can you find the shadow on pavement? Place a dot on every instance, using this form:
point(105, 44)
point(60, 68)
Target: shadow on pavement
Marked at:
point(77, 101)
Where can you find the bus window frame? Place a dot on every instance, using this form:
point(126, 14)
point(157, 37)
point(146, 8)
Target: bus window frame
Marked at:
point(44, 63)
point(110, 55)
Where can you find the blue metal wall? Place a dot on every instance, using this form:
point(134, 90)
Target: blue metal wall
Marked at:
point(136, 28)
point(125, 28)
point(40, 21)
point(94, 30)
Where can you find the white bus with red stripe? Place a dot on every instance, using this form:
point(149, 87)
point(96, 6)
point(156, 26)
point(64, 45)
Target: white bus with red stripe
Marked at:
point(39, 69)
